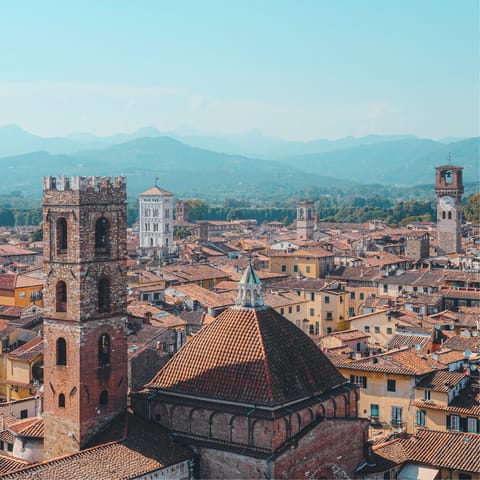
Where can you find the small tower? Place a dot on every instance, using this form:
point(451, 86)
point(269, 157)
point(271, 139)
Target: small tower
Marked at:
point(182, 211)
point(250, 290)
point(85, 356)
point(449, 191)
point(156, 222)
point(305, 220)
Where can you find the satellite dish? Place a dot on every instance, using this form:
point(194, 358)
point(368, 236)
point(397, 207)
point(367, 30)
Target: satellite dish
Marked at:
point(467, 353)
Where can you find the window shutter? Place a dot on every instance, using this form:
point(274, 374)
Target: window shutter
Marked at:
point(364, 382)
point(463, 424)
point(352, 378)
point(449, 422)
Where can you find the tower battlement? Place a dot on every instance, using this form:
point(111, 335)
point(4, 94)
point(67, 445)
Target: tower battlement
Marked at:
point(65, 183)
point(84, 190)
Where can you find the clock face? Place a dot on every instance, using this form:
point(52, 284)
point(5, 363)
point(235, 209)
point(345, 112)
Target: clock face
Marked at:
point(447, 202)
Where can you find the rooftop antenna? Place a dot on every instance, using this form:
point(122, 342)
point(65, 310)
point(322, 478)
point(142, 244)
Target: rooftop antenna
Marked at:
point(156, 181)
point(449, 157)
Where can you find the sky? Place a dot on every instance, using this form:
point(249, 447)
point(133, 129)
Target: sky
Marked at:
point(297, 69)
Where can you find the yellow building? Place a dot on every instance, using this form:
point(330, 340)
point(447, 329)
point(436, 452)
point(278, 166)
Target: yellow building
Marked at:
point(291, 306)
point(387, 382)
point(381, 325)
point(21, 290)
point(24, 369)
point(447, 401)
point(327, 307)
point(310, 263)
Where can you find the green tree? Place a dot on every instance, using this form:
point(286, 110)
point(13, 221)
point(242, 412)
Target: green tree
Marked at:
point(471, 209)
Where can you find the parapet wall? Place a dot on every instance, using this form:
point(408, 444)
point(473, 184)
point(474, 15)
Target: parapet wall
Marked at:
point(84, 190)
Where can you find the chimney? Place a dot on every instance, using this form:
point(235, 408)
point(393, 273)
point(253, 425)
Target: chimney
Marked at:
point(148, 318)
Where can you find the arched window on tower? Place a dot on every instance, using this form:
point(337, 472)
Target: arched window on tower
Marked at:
point(101, 234)
point(61, 296)
point(449, 215)
point(61, 351)
point(61, 235)
point(443, 215)
point(103, 398)
point(103, 295)
point(61, 400)
point(103, 350)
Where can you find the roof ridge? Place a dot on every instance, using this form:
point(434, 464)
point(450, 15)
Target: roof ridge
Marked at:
point(265, 360)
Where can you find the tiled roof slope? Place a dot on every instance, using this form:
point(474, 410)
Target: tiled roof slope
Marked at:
point(146, 448)
point(403, 361)
point(249, 356)
point(30, 427)
point(458, 451)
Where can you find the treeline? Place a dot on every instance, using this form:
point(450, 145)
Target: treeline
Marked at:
point(356, 209)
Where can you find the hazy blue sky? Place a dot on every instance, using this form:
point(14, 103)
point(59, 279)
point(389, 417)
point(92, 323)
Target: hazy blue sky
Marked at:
point(293, 69)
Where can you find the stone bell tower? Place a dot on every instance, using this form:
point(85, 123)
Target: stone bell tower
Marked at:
point(449, 191)
point(305, 220)
point(85, 359)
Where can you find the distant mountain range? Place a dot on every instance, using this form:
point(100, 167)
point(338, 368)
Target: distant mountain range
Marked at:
point(183, 167)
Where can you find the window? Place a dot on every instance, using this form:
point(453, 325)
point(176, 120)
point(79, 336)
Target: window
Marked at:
point(396, 416)
point(312, 296)
point(297, 308)
point(366, 329)
point(453, 422)
point(290, 309)
point(101, 233)
point(385, 288)
point(327, 299)
point(295, 268)
point(415, 289)
point(391, 386)
point(312, 312)
point(425, 289)
point(282, 311)
point(307, 269)
point(389, 330)
point(376, 328)
point(284, 268)
point(329, 330)
point(103, 398)
point(361, 296)
point(472, 425)
point(61, 296)
point(317, 328)
point(61, 351)
point(374, 410)
point(420, 420)
point(426, 395)
point(104, 350)
point(352, 295)
point(351, 312)
point(103, 295)
point(359, 380)
point(61, 232)
point(10, 447)
point(61, 401)
point(23, 414)
point(156, 296)
point(329, 316)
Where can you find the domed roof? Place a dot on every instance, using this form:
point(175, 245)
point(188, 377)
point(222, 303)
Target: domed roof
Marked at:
point(249, 355)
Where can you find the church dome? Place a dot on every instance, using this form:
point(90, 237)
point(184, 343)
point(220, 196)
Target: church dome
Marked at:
point(249, 354)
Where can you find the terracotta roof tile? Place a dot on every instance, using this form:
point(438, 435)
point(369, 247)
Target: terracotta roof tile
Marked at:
point(29, 427)
point(146, 448)
point(249, 356)
point(403, 361)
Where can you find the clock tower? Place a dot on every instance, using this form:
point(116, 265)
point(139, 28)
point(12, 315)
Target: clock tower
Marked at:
point(449, 191)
